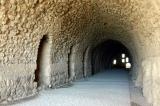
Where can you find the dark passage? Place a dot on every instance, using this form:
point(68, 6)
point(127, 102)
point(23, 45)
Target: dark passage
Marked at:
point(110, 54)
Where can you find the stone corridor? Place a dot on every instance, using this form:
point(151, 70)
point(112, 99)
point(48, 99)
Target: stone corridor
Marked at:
point(108, 88)
point(46, 44)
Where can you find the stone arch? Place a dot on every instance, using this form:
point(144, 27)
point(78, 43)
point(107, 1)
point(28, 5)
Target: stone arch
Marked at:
point(87, 68)
point(76, 62)
point(104, 52)
point(42, 73)
point(71, 63)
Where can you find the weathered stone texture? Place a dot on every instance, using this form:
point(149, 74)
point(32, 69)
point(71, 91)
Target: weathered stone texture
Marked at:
point(135, 23)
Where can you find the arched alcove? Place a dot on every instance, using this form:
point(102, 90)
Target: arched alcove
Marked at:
point(71, 63)
point(87, 70)
point(42, 73)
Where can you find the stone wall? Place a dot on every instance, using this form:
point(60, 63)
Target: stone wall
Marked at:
point(135, 23)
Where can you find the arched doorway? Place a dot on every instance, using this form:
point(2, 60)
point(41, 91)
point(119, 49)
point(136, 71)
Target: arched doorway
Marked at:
point(105, 53)
point(42, 73)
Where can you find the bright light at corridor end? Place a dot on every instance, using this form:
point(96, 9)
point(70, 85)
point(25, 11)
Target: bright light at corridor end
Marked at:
point(123, 55)
point(127, 59)
point(128, 65)
point(114, 61)
point(124, 59)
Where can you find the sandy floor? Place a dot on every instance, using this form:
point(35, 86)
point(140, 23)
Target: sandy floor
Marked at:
point(110, 88)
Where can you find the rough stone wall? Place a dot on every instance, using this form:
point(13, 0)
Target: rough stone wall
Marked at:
point(135, 23)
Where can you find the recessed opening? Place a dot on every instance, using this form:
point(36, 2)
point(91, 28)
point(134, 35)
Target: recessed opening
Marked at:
point(114, 62)
point(123, 60)
point(42, 73)
point(127, 59)
point(87, 62)
point(111, 54)
point(71, 63)
point(128, 65)
point(123, 55)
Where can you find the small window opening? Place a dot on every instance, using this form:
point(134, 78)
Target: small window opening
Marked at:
point(127, 59)
point(123, 55)
point(123, 60)
point(128, 65)
point(114, 61)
